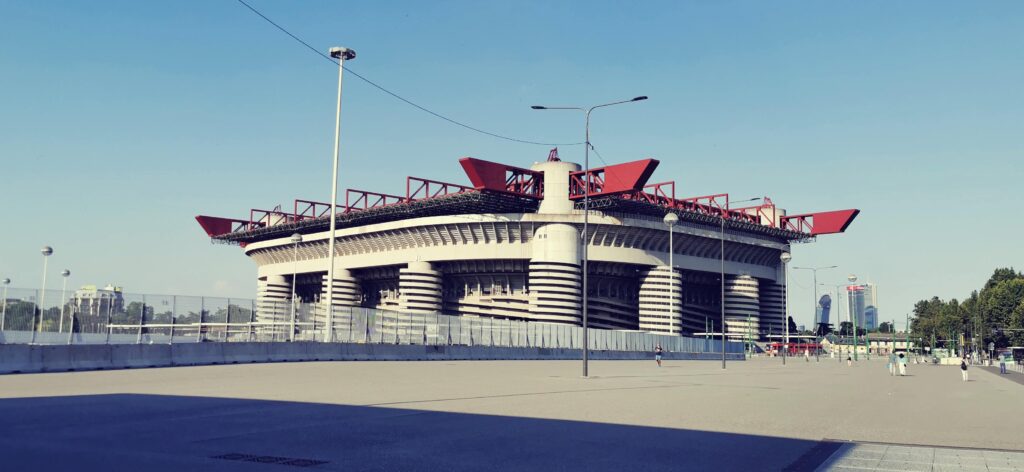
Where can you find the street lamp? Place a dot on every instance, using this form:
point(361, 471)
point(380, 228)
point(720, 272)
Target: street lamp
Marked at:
point(3, 313)
point(296, 239)
point(342, 55)
point(817, 329)
point(63, 290)
point(853, 316)
point(46, 251)
point(721, 254)
point(670, 220)
point(785, 257)
point(586, 203)
point(839, 306)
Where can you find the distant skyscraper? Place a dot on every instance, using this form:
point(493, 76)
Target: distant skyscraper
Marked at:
point(870, 317)
point(821, 315)
point(871, 305)
point(855, 295)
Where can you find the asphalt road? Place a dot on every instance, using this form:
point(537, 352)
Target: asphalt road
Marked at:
point(493, 415)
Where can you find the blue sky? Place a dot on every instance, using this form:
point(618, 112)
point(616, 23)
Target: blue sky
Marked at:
point(123, 120)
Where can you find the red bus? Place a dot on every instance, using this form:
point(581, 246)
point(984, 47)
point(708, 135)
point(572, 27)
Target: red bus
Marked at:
point(796, 348)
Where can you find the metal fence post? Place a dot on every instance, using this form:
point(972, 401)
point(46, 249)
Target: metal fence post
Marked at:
point(252, 319)
point(142, 320)
point(174, 312)
point(202, 309)
point(71, 329)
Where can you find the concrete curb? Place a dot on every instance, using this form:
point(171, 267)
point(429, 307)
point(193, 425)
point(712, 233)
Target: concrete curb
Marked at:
point(29, 358)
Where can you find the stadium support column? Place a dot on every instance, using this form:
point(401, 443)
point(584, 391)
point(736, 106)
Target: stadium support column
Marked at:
point(741, 302)
point(660, 301)
point(272, 304)
point(772, 307)
point(419, 289)
point(555, 280)
point(346, 293)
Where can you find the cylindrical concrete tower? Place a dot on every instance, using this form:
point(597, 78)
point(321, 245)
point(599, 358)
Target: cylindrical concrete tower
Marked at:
point(660, 301)
point(555, 279)
point(741, 304)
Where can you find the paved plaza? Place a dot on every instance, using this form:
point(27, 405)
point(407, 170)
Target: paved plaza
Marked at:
point(514, 415)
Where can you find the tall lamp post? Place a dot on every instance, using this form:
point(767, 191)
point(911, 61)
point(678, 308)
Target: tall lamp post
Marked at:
point(296, 239)
point(63, 291)
point(46, 252)
point(721, 258)
point(785, 257)
point(586, 203)
point(670, 220)
point(853, 316)
point(342, 55)
point(815, 270)
point(3, 314)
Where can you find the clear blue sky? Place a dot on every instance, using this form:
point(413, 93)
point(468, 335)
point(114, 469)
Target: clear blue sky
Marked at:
point(123, 120)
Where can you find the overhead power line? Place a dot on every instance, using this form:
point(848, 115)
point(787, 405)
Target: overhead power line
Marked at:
point(393, 94)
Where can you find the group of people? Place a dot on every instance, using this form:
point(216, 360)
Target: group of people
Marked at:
point(897, 364)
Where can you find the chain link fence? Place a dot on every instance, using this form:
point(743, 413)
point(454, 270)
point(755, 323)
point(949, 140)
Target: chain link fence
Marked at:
point(100, 317)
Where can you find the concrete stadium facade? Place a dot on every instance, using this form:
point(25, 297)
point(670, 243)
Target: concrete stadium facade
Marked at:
point(526, 265)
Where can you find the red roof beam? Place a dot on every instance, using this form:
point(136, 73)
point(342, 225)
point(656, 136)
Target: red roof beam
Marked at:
point(615, 179)
point(424, 189)
point(765, 212)
point(311, 210)
point(496, 177)
point(217, 226)
point(364, 200)
point(825, 222)
point(661, 194)
point(259, 217)
point(714, 205)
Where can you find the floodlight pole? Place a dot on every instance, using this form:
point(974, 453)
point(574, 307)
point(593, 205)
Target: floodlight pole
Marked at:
point(785, 257)
point(296, 239)
point(342, 55)
point(46, 252)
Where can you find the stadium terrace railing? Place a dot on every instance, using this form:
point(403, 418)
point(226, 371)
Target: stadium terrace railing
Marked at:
point(160, 319)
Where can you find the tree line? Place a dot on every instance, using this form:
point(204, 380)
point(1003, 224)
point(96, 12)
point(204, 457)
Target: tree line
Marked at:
point(995, 314)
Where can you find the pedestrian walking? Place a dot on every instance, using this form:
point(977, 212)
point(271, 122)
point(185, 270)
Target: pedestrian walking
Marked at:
point(902, 361)
point(807, 355)
point(1002, 365)
point(657, 354)
point(892, 364)
point(963, 369)
point(849, 360)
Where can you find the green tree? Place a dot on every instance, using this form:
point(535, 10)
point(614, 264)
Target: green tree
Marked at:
point(1002, 275)
point(885, 327)
point(845, 328)
point(998, 305)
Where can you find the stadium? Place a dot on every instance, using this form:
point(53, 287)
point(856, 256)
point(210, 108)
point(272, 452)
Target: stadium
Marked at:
point(510, 244)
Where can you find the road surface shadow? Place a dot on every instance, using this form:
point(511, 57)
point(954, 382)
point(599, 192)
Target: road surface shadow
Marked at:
point(156, 433)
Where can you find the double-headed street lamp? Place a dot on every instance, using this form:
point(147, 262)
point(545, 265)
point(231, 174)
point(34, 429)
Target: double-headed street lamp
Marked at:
point(586, 203)
point(853, 316)
point(817, 329)
point(342, 55)
point(839, 313)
